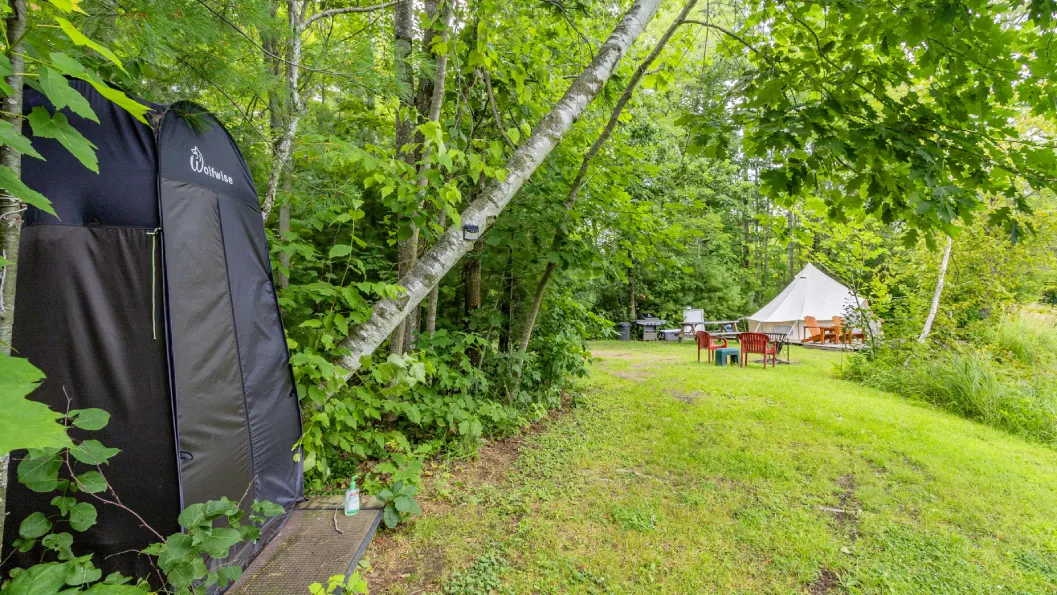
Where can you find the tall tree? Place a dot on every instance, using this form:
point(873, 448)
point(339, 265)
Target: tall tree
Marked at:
point(388, 314)
point(931, 318)
point(10, 207)
point(298, 23)
point(581, 175)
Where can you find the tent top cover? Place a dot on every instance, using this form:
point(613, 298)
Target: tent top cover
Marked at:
point(811, 293)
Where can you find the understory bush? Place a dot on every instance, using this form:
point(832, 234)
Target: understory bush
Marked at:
point(1004, 375)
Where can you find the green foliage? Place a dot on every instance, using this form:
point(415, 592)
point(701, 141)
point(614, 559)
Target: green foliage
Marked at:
point(210, 529)
point(45, 72)
point(398, 501)
point(634, 518)
point(340, 584)
point(25, 423)
point(483, 576)
point(446, 395)
point(839, 97)
point(1002, 376)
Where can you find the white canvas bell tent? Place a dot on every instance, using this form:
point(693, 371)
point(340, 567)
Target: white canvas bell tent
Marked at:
point(811, 293)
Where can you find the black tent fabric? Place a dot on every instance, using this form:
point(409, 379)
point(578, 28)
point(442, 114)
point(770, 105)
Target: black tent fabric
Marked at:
point(151, 296)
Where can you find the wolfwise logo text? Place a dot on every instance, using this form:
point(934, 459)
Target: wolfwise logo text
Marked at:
point(198, 165)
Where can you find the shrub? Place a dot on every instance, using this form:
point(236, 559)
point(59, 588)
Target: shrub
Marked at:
point(1004, 378)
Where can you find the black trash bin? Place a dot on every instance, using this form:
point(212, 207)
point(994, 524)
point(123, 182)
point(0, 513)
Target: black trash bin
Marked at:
point(624, 328)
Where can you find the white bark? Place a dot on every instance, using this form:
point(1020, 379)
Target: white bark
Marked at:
point(939, 291)
point(10, 207)
point(293, 74)
point(581, 175)
point(435, 263)
point(297, 25)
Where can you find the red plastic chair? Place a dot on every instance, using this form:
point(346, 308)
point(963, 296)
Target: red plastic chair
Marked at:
point(705, 341)
point(757, 343)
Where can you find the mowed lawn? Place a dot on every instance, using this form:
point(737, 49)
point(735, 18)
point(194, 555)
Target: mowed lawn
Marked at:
point(670, 476)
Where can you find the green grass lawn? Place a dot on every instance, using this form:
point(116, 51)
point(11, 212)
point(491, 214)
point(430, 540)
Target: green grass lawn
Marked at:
point(671, 476)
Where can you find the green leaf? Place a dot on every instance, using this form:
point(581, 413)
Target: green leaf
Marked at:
point(92, 452)
point(116, 578)
point(71, 67)
point(61, 94)
point(64, 504)
point(82, 516)
point(80, 39)
point(9, 135)
point(403, 503)
point(268, 509)
point(228, 574)
point(181, 575)
point(339, 250)
point(39, 579)
point(10, 181)
point(91, 482)
point(25, 423)
point(391, 517)
point(61, 543)
point(6, 70)
point(90, 419)
point(68, 5)
point(220, 541)
point(109, 589)
point(192, 516)
point(56, 126)
point(34, 526)
point(82, 571)
point(138, 110)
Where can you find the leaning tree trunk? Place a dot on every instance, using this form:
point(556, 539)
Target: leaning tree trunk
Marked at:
point(581, 175)
point(939, 291)
point(388, 314)
point(10, 207)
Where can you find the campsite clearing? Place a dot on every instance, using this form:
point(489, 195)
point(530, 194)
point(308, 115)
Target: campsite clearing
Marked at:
point(671, 476)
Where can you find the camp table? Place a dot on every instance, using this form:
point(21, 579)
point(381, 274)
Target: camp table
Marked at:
point(722, 329)
point(780, 340)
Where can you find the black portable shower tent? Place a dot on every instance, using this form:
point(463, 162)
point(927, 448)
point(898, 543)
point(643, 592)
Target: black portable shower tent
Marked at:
point(151, 296)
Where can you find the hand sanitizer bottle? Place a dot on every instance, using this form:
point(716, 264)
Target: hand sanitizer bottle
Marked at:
point(352, 498)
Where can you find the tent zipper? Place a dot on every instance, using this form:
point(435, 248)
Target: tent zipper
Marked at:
point(153, 282)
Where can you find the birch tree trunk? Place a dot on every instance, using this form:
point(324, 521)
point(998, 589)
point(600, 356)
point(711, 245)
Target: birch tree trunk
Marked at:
point(430, 101)
point(407, 249)
point(434, 296)
point(585, 165)
point(434, 264)
point(10, 207)
point(506, 331)
point(633, 311)
point(293, 76)
point(284, 228)
point(471, 280)
point(298, 22)
point(791, 246)
point(939, 291)
point(270, 42)
point(435, 104)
